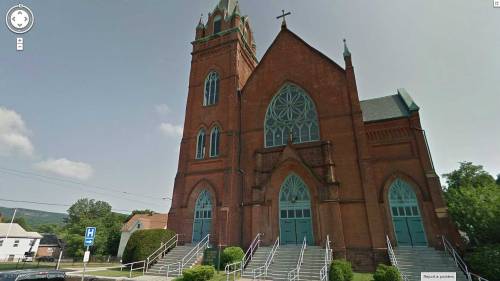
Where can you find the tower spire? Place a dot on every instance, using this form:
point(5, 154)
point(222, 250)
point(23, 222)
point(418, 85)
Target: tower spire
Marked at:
point(200, 23)
point(347, 53)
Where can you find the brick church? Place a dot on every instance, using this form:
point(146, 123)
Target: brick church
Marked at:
point(284, 147)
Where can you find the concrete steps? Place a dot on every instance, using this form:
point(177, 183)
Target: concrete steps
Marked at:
point(174, 256)
point(413, 261)
point(285, 260)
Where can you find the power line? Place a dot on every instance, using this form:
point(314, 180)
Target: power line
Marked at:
point(49, 204)
point(47, 179)
point(83, 184)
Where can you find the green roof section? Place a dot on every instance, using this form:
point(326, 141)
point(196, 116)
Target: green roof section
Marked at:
point(400, 105)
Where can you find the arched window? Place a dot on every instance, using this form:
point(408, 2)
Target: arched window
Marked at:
point(290, 113)
point(211, 89)
point(217, 24)
point(200, 145)
point(214, 142)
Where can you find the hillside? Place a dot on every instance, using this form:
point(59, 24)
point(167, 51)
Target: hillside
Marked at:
point(34, 218)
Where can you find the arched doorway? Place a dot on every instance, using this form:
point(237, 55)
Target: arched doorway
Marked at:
point(202, 223)
point(295, 212)
point(406, 215)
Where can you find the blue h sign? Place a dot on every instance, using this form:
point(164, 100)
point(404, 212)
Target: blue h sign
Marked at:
point(89, 236)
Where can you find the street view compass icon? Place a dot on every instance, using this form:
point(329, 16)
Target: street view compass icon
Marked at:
point(19, 19)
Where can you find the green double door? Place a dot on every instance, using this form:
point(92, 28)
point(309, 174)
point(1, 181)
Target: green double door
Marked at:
point(406, 218)
point(295, 212)
point(202, 224)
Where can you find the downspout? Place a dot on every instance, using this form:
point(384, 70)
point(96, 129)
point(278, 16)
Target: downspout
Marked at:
point(240, 171)
point(426, 146)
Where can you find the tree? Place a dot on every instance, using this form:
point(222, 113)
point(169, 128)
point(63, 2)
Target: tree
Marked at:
point(498, 179)
point(476, 211)
point(49, 228)
point(88, 212)
point(469, 175)
point(136, 212)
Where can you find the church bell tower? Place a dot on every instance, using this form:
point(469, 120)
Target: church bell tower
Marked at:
point(208, 185)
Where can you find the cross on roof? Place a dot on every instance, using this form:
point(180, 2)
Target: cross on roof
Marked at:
point(283, 15)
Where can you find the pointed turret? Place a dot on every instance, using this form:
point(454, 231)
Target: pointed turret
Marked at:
point(347, 55)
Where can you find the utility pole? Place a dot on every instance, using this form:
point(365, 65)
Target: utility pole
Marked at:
point(10, 225)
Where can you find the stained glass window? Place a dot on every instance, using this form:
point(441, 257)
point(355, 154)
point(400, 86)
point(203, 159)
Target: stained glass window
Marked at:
point(294, 190)
point(403, 199)
point(200, 145)
point(211, 95)
point(203, 208)
point(290, 113)
point(217, 24)
point(214, 142)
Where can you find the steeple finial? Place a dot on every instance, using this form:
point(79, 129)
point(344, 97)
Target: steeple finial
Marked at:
point(200, 23)
point(283, 15)
point(347, 53)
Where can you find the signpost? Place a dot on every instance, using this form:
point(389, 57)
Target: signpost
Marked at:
point(87, 242)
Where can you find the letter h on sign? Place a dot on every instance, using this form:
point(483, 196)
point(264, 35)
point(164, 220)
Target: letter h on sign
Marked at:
point(89, 236)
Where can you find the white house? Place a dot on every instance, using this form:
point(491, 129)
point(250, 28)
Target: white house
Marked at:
point(16, 242)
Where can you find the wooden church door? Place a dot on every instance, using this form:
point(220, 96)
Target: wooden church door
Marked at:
point(202, 223)
point(295, 212)
point(406, 216)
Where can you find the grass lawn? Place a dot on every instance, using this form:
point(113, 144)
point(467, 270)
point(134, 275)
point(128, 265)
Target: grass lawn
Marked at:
point(363, 276)
point(115, 273)
point(6, 266)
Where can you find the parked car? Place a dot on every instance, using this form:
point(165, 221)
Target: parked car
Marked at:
point(33, 274)
point(46, 259)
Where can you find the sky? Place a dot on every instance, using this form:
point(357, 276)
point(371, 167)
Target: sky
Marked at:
point(94, 105)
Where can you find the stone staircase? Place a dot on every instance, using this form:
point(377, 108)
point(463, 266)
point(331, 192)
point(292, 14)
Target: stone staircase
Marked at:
point(259, 259)
point(285, 260)
point(175, 255)
point(413, 261)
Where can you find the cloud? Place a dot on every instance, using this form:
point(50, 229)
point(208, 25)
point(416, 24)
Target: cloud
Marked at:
point(13, 134)
point(170, 130)
point(66, 168)
point(162, 109)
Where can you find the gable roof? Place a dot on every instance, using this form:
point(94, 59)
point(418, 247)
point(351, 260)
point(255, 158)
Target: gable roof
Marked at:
point(16, 231)
point(388, 107)
point(285, 30)
point(154, 221)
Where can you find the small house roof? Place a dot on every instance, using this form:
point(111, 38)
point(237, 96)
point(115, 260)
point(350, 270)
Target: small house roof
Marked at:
point(16, 231)
point(154, 221)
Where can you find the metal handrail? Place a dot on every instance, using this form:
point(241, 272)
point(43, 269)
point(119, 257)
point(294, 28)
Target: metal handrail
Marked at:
point(393, 259)
point(195, 251)
point(459, 262)
point(294, 274)
point(323, 273)
point(479, 278)
point(262, 270)
point(233, 269)
point(251, 250)
point(179, 266)
point(161, 251)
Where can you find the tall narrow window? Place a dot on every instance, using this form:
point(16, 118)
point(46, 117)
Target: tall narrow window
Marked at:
point(214, 142)
point(211, 89)
point(200, 145)
point(217, 24)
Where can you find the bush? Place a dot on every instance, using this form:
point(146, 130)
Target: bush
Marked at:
point(341, 270)
point(198, 273)
point(386, 273)
point(143, 243)
point(231, 255)
point(485, 261)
